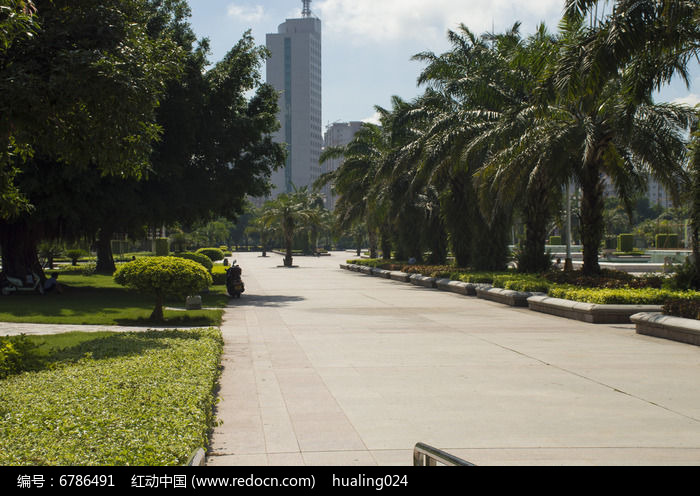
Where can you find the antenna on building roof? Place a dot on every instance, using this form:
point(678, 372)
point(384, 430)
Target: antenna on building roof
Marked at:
point(306, 11)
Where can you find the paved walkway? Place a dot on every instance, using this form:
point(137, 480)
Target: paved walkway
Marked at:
point(328, 367)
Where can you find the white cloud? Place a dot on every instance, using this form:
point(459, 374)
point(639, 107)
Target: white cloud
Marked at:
point(363, 21)
point(374, 119)
point(690, 99)
point(246, 13)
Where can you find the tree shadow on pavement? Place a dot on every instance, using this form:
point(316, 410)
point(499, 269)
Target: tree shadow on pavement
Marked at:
point(253, 300)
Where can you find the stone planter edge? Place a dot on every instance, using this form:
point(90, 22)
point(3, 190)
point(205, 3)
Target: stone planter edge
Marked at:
point(593, 313)
point(663, 326)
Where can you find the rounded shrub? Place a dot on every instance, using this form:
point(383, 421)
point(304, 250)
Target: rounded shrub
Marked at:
point(214, 254)
point(203, 260)
point(163, 277)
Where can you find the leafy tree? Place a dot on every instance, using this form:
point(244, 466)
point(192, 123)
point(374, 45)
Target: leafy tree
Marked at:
point(78, 96)
point(163, 277)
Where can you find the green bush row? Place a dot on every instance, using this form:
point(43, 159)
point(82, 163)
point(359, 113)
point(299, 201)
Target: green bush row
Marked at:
point(522, 282)
point(214, 254)
point(152, 404)
point(624, 296)
point(200, 258)
point(687, 308)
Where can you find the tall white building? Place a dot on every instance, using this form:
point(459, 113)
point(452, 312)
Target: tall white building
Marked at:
point(337, 134)
point(294, 69)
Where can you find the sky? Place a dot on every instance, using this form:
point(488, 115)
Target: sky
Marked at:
point(367, 45)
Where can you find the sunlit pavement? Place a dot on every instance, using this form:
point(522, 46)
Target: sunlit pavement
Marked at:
point(328, 367)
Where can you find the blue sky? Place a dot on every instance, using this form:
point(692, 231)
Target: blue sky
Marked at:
point(368, 44)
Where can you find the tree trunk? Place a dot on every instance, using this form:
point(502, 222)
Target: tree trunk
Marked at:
point(19, 250)
point(455, 206)
point(533, 258)
point(372, 237)
point(386, 246)
point(592, 221)
point(157, 314)
point(105, 259)
point(489, 240)
point(289, 241)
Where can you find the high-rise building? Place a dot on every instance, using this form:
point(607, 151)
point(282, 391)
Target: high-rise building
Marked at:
point(294, 69)
point(337, 134)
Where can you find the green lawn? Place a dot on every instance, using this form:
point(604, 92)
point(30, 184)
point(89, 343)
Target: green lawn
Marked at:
point(97, 299)
point(142, 398)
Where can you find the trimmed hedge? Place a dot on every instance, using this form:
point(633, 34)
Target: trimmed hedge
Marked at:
point(214, 254)
point(163, 277)
point(625, 242)
point(687, 308)
point(522, 282)
point(199, 258)
point(666, 241)
point(620, 296)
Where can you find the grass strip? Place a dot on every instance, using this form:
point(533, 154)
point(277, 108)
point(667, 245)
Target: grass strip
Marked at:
point(96, 299)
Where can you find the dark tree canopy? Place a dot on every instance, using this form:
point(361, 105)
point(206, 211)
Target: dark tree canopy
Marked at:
point(126, 126)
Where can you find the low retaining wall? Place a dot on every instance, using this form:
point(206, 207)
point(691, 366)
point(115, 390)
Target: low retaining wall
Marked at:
point(458, 287)
point(399, 276)
point(505, 296)
point(421, 280)
point(588, 312)
point(668, 327)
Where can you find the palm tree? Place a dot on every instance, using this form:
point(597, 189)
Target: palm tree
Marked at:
point(694, 200)
point(355, 180)
point(462, 102)
point(613, 128)
point(290, 211)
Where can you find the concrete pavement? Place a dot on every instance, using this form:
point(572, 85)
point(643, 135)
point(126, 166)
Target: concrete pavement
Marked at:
point(329, 367)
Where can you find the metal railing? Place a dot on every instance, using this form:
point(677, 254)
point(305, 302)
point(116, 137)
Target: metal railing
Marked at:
point(427, 456)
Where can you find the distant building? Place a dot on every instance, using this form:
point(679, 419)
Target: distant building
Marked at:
point(655, 192)
point(337, 134)
point(294, 69)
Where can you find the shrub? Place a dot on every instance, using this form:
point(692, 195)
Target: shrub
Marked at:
point(478, 277)
point(687, 308)
point(84, 270)
point(218, 275)
point(75, 254)
point(214, 254)
point(666, 241)
point(163, 277)
point(203, 260)
point(17, 353)
point(521, 282)
point(427, 270)
point(607, 279)
point(370, 262)
point(622, 296)
point(686, 276)
point(162, 247)
point(625, 242)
